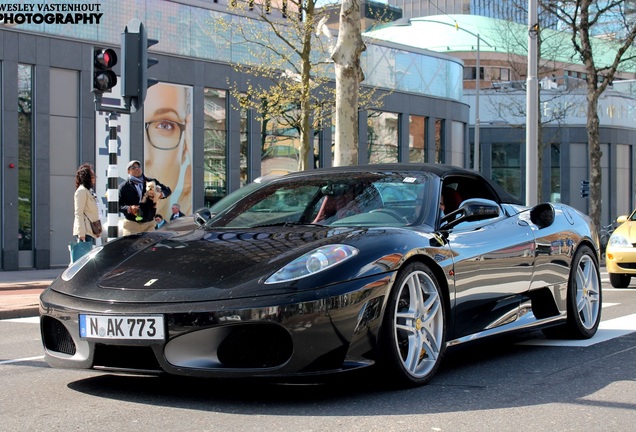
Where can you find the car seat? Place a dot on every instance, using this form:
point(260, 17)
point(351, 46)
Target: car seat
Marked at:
point(452, 199)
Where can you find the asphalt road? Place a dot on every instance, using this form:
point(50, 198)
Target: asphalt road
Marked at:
point(516, 384)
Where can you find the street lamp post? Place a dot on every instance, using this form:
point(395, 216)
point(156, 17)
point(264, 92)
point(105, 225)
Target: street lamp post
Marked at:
point(532, 96)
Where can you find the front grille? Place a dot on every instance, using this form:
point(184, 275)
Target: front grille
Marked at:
point(125, 357)
point(627, 266)
point(56, 338)
point(255, 346)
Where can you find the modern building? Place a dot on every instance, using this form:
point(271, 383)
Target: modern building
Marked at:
point(49, 125)
point(511, 10)
point(498, 90)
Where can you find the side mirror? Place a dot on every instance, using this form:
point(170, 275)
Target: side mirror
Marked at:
point(542, 215)
point(621, 219)
point(202, 216)
point(470, 210)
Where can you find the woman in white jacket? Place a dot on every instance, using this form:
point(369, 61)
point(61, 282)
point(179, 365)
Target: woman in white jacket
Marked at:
point(85, 204)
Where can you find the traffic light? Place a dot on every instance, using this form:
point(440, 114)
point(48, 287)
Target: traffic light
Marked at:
point(104, 79)
point(135, 64)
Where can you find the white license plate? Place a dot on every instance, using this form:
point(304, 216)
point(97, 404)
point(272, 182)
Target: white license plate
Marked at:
point(146, 327)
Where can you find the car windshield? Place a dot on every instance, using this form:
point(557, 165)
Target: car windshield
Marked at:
point(336, 199)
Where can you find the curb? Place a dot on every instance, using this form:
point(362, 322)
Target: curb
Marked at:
point(21, 299)
point(27, 312)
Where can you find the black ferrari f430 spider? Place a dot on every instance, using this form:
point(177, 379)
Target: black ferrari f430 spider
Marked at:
point(326, 271)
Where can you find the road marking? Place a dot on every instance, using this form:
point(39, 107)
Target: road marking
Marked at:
point(30, 320)
point(21, 360)
point(619, 289)
point(607, 330)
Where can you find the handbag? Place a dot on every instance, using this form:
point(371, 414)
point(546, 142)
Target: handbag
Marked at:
point(96, 227)
point(79, 249)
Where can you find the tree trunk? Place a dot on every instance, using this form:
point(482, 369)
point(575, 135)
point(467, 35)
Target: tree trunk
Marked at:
point(349, 75)
point(306, 154)
point(305, 157)
point(594, 147)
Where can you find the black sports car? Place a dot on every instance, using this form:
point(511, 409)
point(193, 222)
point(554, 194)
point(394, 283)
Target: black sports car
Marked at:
point(326, 271)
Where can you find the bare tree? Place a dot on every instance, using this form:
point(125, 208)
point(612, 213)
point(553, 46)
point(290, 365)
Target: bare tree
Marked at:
point(584, 19)
point(289, 59)
point(290, 56)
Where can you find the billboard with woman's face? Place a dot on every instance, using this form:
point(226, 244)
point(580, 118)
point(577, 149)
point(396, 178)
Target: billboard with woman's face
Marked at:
point(168, 143)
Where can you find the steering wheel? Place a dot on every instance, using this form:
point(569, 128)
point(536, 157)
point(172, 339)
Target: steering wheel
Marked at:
point(390, 212)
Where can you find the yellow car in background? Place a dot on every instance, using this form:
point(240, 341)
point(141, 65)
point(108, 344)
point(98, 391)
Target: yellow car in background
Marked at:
point(620, 255)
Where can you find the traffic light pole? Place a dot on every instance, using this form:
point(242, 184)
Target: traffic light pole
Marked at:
point(135, 82)
point(108, 108)
point(113, 179)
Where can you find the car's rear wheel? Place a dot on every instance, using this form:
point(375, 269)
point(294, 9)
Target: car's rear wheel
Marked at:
point(584, 298)
point(620, 280)
point(414, 329)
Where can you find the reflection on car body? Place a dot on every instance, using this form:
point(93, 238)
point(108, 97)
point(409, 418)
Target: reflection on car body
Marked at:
point(204, 214)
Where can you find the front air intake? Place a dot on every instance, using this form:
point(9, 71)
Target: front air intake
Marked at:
point(56, 338)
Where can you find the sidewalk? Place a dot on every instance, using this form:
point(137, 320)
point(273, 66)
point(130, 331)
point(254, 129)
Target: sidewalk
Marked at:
point(20, 291)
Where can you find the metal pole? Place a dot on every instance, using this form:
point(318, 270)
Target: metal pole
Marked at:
point(477, 90)
point(113, 178)
point(532, 95)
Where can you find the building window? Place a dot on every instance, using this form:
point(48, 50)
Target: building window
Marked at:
point(417, 139)
point(244, 129)
point(25, 157)
point(280, 144)
point(500, 74)
point(506, 167)
point(555, 172)
point(457, 144)
point(470, 73)
point(382, 136)
point(215, 145)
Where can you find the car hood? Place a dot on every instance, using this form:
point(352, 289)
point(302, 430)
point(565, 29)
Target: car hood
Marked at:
point(205, 265)
point(220, 259)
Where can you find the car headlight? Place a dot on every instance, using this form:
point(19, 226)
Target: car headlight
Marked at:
point(617, 240)
point(313, 262)
point(77, 265)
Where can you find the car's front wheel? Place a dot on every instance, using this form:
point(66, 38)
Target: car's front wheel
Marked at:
point(620, 280)
point(414, 329)
point(584, 298)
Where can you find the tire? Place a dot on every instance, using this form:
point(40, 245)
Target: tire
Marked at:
point(413, 338)
point(620, 280)
point(584, 298)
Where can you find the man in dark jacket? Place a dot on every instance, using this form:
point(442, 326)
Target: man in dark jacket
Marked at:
point(176, 212)
point(140, 216)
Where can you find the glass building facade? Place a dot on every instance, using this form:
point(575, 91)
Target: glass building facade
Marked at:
point(223, 146)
